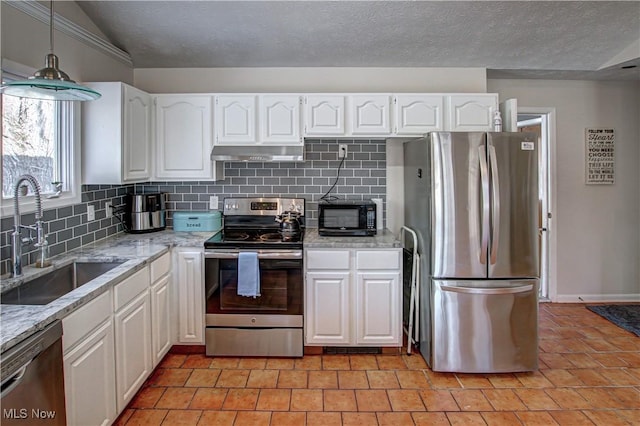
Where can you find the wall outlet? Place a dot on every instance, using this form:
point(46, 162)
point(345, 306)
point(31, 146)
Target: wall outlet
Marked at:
point(91, 213)
point(213, 202)
point(109, 208)
point(342, 150)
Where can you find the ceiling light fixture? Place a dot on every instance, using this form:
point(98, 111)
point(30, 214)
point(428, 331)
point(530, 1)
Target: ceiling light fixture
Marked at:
point(50, 82)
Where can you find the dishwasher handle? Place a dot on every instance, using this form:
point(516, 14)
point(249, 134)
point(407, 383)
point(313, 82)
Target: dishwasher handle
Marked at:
point(13, 381)
point(487, 291)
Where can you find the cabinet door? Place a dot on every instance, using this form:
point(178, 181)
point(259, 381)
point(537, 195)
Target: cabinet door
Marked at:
point(160, 322)
point(190, 287)
point(280, 119)
point(89, 379)
point(183, 137)
point(418, 114)
point(133, 349)
point(369, 115)
point(136, 150)
point(471, 112)
point(235, 119)
point(378, 309)
point(328, 308)
point(324, 115)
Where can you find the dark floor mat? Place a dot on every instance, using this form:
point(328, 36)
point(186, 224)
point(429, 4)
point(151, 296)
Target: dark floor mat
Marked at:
point(624, 316)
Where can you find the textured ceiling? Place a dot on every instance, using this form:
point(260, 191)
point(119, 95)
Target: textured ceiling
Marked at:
point(547, 39)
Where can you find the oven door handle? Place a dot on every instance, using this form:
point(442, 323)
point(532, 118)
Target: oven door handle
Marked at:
point(262, 254)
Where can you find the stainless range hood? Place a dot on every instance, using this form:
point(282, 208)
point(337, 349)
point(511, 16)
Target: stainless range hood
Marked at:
point(257, 153)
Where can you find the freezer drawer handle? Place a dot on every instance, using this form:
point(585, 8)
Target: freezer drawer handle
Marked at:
point(473, 290)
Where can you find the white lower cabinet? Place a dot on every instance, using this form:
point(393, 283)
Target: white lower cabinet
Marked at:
point(188, 275)
point(353, 297)
point(160, 292)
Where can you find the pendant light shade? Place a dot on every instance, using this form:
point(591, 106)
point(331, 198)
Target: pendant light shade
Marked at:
point(50, 82)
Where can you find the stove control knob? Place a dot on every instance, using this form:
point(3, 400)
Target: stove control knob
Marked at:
point(253, 320)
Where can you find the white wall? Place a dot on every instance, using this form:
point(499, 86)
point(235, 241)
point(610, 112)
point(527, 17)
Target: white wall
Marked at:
point(598, 227)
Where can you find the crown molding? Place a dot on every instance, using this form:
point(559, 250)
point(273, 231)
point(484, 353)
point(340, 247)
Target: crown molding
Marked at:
point(70, 28)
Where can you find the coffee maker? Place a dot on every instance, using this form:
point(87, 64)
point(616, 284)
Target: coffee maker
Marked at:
point(145, 212)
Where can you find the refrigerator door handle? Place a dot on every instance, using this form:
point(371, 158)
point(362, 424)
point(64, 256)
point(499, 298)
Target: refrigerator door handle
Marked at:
point(484, 184)
point(495, 198)
point(475, 290)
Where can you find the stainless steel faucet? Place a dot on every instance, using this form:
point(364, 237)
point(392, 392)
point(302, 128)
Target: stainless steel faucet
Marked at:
point(17, 240)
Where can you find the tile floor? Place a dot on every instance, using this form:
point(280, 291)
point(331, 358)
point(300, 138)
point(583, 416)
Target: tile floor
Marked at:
point(589, 374)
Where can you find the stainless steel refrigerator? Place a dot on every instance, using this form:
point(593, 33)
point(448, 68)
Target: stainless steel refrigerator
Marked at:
point(472, 198)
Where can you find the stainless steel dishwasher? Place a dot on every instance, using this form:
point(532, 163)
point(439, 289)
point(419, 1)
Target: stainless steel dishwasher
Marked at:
point(33, 380)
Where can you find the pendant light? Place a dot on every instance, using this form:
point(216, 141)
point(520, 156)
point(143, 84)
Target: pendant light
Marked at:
point(50, 82)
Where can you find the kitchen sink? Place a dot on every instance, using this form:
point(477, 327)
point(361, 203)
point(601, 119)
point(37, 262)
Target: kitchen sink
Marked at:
point(57, 283)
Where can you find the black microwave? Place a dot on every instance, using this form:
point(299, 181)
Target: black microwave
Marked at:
point(347, 218)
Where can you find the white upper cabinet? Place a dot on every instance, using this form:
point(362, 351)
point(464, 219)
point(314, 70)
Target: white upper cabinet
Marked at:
point(116, 135)
point(280, 119)
point(324, 115)
point(235, 119)
point(369, 114)
point(417, 114)
point(471, 112)
point(184, 137)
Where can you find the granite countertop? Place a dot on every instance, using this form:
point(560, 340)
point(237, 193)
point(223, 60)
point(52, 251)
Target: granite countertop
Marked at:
point(383, 239)
point(135, 250)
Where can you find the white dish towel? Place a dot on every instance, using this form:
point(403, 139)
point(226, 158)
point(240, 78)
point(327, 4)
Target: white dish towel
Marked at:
point(248, 274)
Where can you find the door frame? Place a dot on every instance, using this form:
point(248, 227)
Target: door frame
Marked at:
point(546, 116)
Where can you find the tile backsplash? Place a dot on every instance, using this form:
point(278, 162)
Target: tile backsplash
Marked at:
point(362, 176)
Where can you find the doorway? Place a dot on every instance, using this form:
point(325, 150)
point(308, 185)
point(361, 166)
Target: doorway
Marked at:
point(541, 121)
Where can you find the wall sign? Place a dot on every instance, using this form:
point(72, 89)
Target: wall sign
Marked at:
point(600, 158)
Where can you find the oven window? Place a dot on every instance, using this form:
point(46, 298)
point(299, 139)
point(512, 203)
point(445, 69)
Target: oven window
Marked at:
point(341, 218)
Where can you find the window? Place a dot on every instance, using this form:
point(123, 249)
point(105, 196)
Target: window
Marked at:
point(38, 138)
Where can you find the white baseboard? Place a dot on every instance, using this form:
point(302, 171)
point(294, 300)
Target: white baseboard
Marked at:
point(596, 298)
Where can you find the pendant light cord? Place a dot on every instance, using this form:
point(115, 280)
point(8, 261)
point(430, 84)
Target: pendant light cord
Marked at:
point(51, 26)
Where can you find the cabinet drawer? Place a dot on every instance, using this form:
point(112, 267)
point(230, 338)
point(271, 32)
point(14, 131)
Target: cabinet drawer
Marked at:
point(160, 267)
point(128, 289)
point(79, 323)
point(378, 259)
point(333, 260)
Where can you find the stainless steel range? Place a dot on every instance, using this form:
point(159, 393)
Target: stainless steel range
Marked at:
point(254, 279)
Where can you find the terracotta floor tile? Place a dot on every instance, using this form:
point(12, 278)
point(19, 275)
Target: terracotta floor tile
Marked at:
point(412, 379)
point(631, 416)
point(405, 400)
point(471, 400)
point(631, 358)
point(176, 398)
point(124, 417)
point(619, 377)
point(591, 377)
point(182, 417)
point(233, 379)
point(536, 399)
point(465, 419)
point(600, 345)
point(324, 419)
point(363, 362)
point(147, 417)
point(359, 419)
point(170, 377)
point(306, 400)
point(609, 359)
point(311, 362)
point(582, 360)
point(534, 379)
point(504, 380)
point(217, 418)
point(172, 361)
point(353, 380)
point(252, 363)
point(443, 380)
point(600, 398)
point(262, 379)
point(280, 364)
point(372, 400)
point(323, 380)
point(504, 400)
point(241, 399)
point(382, 380)
point(605, 418)
point(568, 399)
point(570, 418)
point(203, 377)
point(335, 362)
point(224, 363)
point(430, 419)
point(293, 379)
point(630, 397)
point(414, 361)
point(500, 419)
point(284, 418)
point(439, 400)
point(536, 418)
point(470, 381)
point(391, 362)
point(147, 397)
point(274, 400)
point(253, 418)
point(625, 343)
point(197, 361)
point(394, 419)
point(208, 398)
point(340, 400)
point(562, 378)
